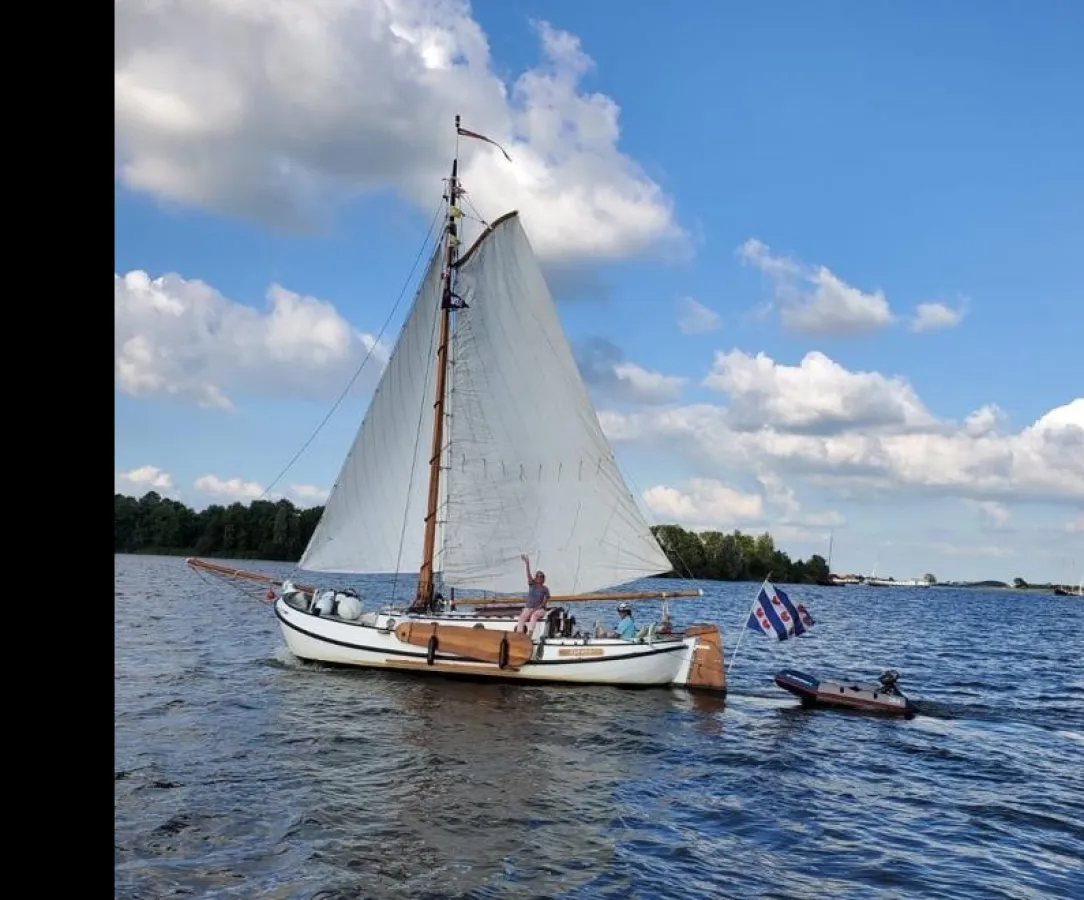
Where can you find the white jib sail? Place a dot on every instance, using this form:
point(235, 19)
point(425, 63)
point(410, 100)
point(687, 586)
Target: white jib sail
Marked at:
point(374, 516)
point(529, 469)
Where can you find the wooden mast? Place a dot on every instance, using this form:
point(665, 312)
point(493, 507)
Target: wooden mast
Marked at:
point(424, 596)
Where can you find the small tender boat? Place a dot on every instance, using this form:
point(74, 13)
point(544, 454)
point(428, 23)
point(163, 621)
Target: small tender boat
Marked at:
point(884, 697)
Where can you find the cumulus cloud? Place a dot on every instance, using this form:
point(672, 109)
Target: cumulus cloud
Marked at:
point(708, 503)
point(230, 489)
point(935, 317)
point(984, 420)
point(705, 503)
point(991, 513)
point(813, 300)
point(182, 339)
point(816, 422)
point(237, 490)
point(695, 317)
point(1075, 526)
point(604, 367)
point(818, 396)
point(140, 480)
point(308, 494)
point(282, 111)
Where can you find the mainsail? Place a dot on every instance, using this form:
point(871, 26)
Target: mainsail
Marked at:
point(528, 467)
point(373, 515)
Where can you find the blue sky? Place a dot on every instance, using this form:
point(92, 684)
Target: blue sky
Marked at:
point(883, 202)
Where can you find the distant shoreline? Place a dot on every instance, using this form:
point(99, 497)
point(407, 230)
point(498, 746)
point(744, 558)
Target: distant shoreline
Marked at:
point(968, 585)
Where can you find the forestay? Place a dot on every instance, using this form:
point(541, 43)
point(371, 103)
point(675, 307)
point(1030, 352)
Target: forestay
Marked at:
point(372, 521)
point(528, 467)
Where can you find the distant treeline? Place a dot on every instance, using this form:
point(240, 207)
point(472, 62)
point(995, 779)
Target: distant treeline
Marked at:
point(281, 531)
point(261, 530)
point(735, 556)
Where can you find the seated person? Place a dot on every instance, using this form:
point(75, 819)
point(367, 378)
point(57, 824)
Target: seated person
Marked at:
point(626, 627)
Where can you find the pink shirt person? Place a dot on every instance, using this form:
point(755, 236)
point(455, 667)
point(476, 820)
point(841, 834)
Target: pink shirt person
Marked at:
point(538, 595)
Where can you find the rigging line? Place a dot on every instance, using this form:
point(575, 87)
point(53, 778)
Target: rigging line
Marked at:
point(368, 355)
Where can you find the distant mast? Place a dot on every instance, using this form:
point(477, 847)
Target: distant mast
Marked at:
point(423, 599)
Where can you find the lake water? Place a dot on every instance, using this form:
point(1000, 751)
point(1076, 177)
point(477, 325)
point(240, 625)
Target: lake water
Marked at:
point(240, 772)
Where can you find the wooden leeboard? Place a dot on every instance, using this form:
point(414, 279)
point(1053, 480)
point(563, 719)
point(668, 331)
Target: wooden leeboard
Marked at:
point(481, 644)
point(707, 670)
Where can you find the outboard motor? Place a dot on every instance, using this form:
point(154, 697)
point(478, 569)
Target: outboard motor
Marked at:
point(888, 681)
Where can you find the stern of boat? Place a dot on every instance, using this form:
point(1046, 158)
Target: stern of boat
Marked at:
point(702, 668)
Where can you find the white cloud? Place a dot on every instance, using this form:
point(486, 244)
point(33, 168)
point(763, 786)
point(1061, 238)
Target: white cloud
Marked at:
point(1075, 526)
point(142, 479)
point(237, 490)
point(229, 489)
point(695, 318)
point(864, 431)
point(818, 396)
point(984, 421)
point(789, 515)
point(705, 503)
point(935, 317)
point(708, 503)
point(308, 494)
point(646, 385)
point(604, 367)
point(282, 111)
point(183, 339)
point(780, 494)
point(991, 512)
point(813, 300)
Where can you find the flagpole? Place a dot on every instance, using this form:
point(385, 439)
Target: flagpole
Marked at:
point(756, 598)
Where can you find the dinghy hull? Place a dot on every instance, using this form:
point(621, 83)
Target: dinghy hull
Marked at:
point(816, 692)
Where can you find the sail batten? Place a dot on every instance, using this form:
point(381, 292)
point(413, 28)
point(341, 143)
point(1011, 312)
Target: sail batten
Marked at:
point(529, 469)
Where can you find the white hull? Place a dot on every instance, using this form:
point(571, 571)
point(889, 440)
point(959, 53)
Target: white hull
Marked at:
point(371, 642)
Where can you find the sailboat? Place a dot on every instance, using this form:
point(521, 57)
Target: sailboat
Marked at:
point(834, 580)
point(480, 445)
point(1067, 592)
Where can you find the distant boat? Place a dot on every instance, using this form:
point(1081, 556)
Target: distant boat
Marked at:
point(831, 580)
point(834, 580)
point(892, 582)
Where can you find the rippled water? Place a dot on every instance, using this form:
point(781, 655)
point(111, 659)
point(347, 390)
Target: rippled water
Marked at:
point(240, 772)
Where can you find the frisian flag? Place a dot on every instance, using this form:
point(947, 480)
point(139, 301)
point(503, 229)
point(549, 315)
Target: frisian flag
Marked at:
point(776, 615)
